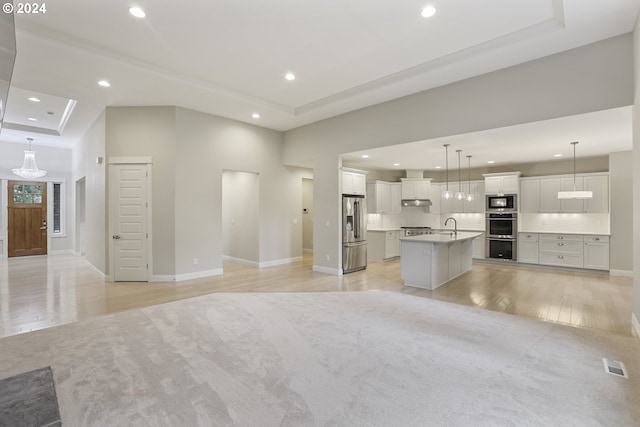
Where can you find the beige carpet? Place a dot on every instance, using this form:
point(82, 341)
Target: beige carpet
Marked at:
point(329, 359)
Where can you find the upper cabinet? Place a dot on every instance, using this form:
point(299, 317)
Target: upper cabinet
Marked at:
point(540, 195)
point(354, 182)
point(384, 197)
point(415, 188)
point(502, 183)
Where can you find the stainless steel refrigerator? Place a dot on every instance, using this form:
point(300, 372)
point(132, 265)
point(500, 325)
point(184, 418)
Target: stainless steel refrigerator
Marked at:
point(354, 233)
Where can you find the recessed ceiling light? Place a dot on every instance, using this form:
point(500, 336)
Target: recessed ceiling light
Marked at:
point(255, 115)
point(34, 99)
point(104, 83)
point(137, 12)
point(365, 156)
point(32, 119)
point(290, 76)
point(396, 164)
point(428, 11)
point(491, 161)
point(438, 167)
point(558, 155)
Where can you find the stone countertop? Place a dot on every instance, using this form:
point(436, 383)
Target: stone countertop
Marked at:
point(442, 237)
point(578, 233)
point(384, 229)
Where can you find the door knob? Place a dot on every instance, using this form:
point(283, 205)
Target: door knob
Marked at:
point(115, 236)
point(43, 228)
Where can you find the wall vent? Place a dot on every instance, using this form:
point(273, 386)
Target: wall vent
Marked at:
point(614, 367)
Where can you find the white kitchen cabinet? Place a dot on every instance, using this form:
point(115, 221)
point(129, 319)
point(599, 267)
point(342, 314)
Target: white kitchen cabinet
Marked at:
point(395, 190)
point(530, 195)
point(478, 246)
point(599, 185)
point(563, 250)
point(480, 198)
point(596, 252)
point(550, 186)
point(416, 188)
point(379, 197)
point(436, 199)
point(383, 245)
point(528, 248)
point(502, 183)
point(354, 183)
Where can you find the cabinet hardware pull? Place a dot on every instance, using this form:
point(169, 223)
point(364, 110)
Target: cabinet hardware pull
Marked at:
point(560, 244)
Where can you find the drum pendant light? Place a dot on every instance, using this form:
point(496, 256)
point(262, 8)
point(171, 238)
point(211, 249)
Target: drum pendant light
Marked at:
point(446, 194)
point(459, 194)
point(575, 194)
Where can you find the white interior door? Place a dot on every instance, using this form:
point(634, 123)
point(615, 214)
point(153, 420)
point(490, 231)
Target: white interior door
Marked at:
point(129, 183)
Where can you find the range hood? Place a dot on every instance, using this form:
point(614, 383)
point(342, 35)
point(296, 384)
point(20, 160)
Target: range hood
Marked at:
point(416, 202)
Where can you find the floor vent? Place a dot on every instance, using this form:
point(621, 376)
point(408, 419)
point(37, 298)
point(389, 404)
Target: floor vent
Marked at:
point(614, 367)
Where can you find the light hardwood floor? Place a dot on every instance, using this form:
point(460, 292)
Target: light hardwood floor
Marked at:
point(45, 291)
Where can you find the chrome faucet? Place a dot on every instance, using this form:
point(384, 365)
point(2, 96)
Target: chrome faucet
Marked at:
point(455, 224)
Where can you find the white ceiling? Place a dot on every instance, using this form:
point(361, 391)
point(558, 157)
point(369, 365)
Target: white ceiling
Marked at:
point(228, 58)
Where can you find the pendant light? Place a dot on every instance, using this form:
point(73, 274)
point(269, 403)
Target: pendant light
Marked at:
point(446, 194)
point(459, 194)
point(469, 195)
point(29, 169)
point(575, 194)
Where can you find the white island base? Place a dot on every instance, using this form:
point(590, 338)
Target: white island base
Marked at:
point(429, 261)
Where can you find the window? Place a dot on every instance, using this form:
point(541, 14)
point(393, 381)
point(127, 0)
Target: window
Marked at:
point(57, 217)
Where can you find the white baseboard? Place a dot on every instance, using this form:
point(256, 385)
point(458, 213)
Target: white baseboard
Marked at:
point(163, 278)
point(62, 252)
point(198, 274)
point(635, 323)
point(279, 262)
point(97, 271)
point(240, 261)
point(623, 273)
point(328, 270)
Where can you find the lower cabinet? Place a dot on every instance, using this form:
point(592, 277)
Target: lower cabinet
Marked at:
point(564, 250)
point(383, 245)
point(528, 248)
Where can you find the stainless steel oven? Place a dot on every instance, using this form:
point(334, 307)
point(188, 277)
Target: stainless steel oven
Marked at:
point(502, 233)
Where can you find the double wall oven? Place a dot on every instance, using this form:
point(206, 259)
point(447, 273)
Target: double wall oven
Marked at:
point(502, 227)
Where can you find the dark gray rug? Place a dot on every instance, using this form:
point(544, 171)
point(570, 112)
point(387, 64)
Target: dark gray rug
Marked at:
point(29, 399)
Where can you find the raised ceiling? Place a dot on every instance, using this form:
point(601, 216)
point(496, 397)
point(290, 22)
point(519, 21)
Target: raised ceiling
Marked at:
point(228, 58)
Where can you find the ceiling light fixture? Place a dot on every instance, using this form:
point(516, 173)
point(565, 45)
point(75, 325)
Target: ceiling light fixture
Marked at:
point(365, 156)
point(438, 167)
point(469, 195)
point(29, 169)
point(446, 194)
point(428, 12)
point(104, 83)
point(32, 119)
point(491, 162)
point(558, 155)
point(396, 164)
point(255, 115)
point(290, 76)
point(575, 194)
point(33, 99)
point(459, 194)
point(137, 12)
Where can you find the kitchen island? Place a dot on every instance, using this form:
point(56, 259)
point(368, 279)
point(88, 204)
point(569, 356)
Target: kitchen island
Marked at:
point(431, 260)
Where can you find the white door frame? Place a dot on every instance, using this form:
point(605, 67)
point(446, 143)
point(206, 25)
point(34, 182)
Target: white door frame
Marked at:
point(112, 215)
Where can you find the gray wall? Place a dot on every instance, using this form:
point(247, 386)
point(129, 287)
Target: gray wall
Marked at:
point(90, 146)
point(621, 218)
point(150, 131)
point(307, 218)
point(591, 78)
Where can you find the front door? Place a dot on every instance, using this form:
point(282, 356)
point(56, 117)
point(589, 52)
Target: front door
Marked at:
point(27, 221)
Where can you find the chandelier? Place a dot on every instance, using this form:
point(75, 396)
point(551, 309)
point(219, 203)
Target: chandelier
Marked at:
point(29, 168)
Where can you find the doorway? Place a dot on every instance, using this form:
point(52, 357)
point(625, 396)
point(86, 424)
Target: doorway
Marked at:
point(27, 219)
point(241, 217)
point(307, 215)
